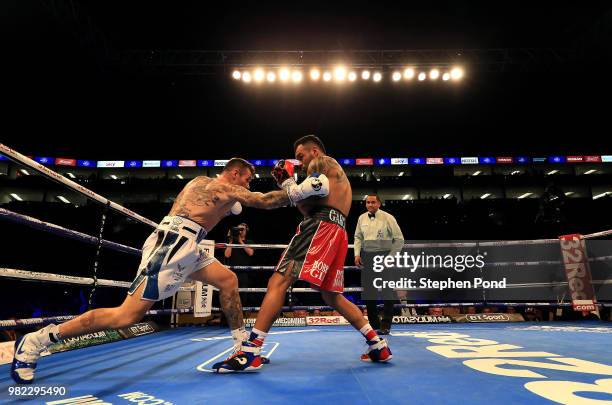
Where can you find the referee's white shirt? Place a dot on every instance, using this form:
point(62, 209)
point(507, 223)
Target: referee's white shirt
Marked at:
point(381, 226)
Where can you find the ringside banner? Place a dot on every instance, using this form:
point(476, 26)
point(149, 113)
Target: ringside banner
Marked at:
point(578, 272)
point(202, 304)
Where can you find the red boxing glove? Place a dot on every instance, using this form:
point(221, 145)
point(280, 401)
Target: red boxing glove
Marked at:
point(283, 169)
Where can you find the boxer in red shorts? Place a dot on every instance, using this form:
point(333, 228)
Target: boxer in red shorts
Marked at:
point(315, 254)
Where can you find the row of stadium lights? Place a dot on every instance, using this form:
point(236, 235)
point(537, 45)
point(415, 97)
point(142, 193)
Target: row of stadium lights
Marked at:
point(341, 74)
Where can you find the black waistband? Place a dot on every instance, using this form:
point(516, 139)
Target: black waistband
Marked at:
point(327, 214)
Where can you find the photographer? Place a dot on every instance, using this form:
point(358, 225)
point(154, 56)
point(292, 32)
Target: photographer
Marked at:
point(238, 256)
point(241, 257)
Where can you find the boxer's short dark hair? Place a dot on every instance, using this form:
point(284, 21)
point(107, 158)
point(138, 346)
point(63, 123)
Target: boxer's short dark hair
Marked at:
point(238, 163)
point(305, 140)
point(375, 195)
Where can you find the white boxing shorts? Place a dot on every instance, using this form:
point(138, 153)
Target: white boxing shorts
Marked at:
point(169, 255)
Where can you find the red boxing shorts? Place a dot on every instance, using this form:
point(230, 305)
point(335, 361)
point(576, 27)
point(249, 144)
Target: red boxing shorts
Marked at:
point(318, 249)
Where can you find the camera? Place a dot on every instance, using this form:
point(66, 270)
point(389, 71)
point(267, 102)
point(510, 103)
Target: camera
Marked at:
point(235, 231)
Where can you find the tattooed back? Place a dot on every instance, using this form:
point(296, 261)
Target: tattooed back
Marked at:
point(203, 200)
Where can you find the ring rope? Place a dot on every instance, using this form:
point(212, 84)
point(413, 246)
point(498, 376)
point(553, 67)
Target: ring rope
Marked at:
point(61, 231)
point(60, 278)
point(429, 305)
point(64, 279)
point(30, 322)
point(45, 171)
point(412, 245)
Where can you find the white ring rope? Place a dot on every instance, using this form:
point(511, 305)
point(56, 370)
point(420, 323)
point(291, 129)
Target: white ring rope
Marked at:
point(60, 278)
point(64, 279)
point(14, 155)
point(31, 322)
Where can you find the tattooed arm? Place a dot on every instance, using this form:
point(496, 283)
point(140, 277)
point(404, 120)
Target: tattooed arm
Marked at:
point(268, 201)
point(328, 166)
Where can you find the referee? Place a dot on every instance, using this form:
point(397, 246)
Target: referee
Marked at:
point(377, 225)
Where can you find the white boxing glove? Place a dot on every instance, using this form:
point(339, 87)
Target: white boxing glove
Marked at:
point(315, 185)
point(236, 208)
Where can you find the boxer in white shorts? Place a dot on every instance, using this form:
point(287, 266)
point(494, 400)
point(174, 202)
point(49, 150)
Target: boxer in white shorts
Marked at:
point(172, 254)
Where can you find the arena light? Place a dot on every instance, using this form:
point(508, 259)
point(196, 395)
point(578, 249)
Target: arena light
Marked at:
point(515, 172)
point(401, 174)
point(409, 73)
point(456, 73)
point(365, 196)
point(16, 197)
point(257, 175)
point(552, 172)
point(296, 76)
point(569, 193)
point(72, 176)
point(520, 197)
point(258, 75)
point(340, 73)
point(63, 199)
point(447, 196)
point(406, 197)
point(284, 74)
point(485, 195)
point(24, 172)
point(590, 171)
point(476, 173)
point(595, 197)
point(179, 176)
